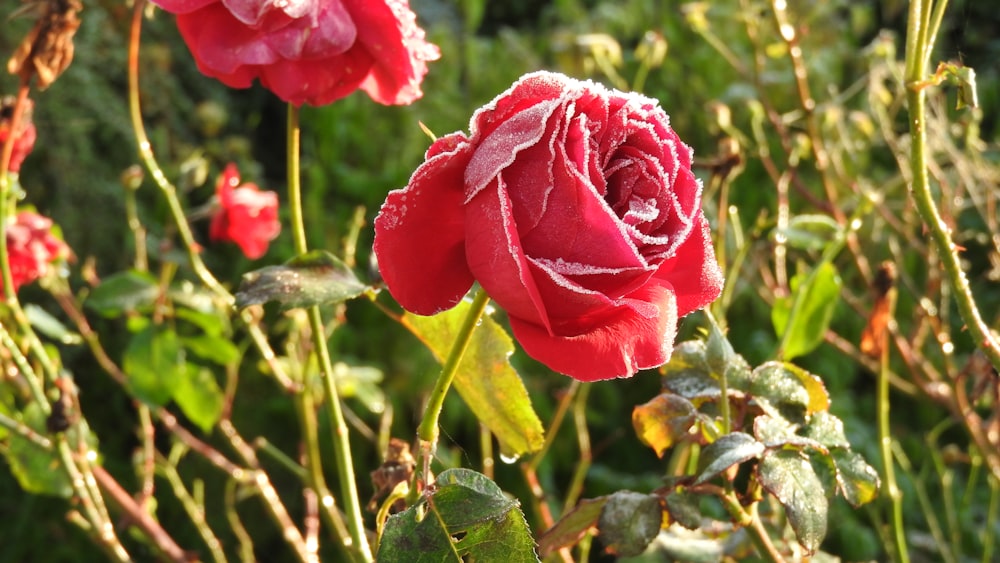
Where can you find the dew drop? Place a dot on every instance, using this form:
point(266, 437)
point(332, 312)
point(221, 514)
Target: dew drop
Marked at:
point(509, 459)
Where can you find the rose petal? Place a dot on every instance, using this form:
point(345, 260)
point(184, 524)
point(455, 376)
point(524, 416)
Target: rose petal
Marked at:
point(224, 47)
point(420, 233)
point(636, 335)
point(394, 41)
point(693, 272)
point(496, 257)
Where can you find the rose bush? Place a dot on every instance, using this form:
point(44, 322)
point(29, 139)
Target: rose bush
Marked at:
point(308, 51)
point(32, 248)
point(575, 208)
point(246, 215)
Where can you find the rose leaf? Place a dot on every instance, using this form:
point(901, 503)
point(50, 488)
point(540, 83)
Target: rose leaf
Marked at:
point(314, 278)
point(466, 518)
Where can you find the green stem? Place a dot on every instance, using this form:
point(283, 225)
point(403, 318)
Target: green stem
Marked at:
point(427, 432)
point(919, 43)
point(885, 441)
point(341, 437)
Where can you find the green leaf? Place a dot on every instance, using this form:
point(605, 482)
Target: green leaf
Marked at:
point(813, 302)
point(857, 480)
point(485, 378)
point(124, 292)
point(154, 363)
point(810, 232)
point(199, 397)
point(211, 323)
point(664, 421)
point(215, 349)
point(729, 450)
point(685, 509)
point(466, 518)
point(790, 477)
point(361, 383)
point(572, 527)
point(50, 326)
point(37, 470)
point(787, 390)
point(826, 429)
point(314, 278)
point(629, 521)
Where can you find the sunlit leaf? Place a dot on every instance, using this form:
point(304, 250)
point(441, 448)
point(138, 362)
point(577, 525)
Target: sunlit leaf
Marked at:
point(790, 477)
point(809, 232)
point(485, 378)
point(663, 421)
point(199, 396)
point(813, 301)
point(466, 518)
point(123, 292)
point(629, 521)
point(787, 390)
point(311, 279)
point(154, 364)
point(858, 481)
point(572, 527)
point(215, 349)
point(37, 470)
point(729, 450)
point(826, 429)
point(50, 326)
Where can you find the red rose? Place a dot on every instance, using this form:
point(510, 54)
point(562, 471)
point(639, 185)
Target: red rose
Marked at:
point(32, 248)
point(24, 137)
point(575, 208)
point(247, 216)
point(308, 51)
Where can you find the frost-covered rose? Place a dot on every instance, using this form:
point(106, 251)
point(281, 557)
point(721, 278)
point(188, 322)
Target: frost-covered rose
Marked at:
point(246, 215)
point(308, 51)
point(575, 208)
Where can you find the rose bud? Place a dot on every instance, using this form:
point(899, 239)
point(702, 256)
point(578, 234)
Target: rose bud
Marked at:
point(246, 216)
point(575, 208)
point(308, 51)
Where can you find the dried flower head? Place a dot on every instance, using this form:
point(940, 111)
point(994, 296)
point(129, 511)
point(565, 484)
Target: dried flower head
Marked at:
point(48, 48)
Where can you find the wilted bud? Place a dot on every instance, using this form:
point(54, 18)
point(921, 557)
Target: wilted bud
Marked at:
point(652, 50)
point(48, 48)
point(211, 117)
point(132, 177)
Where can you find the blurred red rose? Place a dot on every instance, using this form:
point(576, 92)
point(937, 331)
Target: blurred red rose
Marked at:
point(308, 51)
point(24, 137)
point(32, 248)
point(575, 208)
point(246, 216)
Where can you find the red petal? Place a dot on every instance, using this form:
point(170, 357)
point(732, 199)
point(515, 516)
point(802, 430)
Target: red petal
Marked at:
point(420, 234)
point(495, 255)
point(637, 334)
point(693, 272)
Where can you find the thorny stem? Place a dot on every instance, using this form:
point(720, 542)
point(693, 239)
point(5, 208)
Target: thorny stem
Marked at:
point(919, 43)
point(194, 509)
point(575, 488)
point(140, 516)
point(530, 467)
point(885, 441)
point(341, 437)
point(748, 519)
